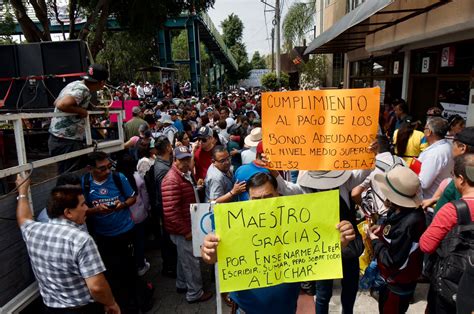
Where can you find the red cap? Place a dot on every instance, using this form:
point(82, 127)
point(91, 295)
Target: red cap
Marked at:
point(260, 147)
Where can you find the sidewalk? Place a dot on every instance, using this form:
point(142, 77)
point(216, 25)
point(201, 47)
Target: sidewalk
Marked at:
point(167, 300)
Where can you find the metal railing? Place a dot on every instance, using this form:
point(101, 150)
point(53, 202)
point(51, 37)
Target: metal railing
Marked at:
point(207, 22)
point(24, 165)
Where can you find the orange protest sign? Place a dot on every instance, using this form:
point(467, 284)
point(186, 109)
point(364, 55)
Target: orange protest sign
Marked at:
point(320, 130)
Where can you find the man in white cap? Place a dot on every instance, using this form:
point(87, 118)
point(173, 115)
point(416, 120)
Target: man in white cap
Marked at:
point(131, 127)
point(251, 141)
point(67, 133)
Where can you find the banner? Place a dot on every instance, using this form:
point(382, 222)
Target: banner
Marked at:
point(275, 240)
point(320, 130)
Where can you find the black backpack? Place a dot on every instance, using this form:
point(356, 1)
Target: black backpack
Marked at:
point(149, 179)
point(86, 185)
point(453, 256)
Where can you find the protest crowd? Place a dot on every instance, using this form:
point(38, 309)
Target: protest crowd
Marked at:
point(88, 250)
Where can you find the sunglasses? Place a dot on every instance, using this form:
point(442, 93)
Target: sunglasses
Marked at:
point(104, 168)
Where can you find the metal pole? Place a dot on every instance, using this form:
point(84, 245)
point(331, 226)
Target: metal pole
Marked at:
point(273, 49)
point(278, 61)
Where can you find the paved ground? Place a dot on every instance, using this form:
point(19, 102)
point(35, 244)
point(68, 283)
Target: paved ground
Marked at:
point(167, 300)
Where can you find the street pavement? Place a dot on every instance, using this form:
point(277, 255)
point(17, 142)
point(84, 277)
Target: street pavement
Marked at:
point(167, 300)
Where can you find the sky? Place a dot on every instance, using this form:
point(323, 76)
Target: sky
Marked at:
point(251, 12)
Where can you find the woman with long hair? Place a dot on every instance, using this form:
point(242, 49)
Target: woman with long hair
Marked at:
point(408, 141)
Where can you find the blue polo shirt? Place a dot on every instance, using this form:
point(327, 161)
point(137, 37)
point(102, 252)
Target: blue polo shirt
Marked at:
point(244, 173)
point(116, 222)
point(279, 299)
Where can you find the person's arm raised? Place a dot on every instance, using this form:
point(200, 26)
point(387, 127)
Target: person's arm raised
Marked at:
point(23, 211)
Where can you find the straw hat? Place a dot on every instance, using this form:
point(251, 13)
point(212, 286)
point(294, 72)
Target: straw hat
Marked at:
point(323, 180)
point(254, 137)
point(400, 186)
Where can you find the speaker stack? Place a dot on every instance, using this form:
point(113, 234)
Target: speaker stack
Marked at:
point(39, 59)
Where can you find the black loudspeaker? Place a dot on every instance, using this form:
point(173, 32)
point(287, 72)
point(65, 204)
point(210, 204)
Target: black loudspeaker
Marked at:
point(8, 69)
point(30, 61)
point(38, 59)
point(64, 57)
point(8, 61)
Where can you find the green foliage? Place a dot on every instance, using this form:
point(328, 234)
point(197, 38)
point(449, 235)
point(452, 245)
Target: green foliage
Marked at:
point(298, 21)
point(232, 29)
point(7, 27)
point(270, 82)
point(125, 52)
point(180, 51)
point(257, 61)
point(313, 72)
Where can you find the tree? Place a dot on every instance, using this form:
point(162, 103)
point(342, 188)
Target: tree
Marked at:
point(144, 16)
point(232, 29)
point(269, 80)
point(257, 61)
point(297, 22)
point(7, 28)
point(313, 72)
point(124, 53)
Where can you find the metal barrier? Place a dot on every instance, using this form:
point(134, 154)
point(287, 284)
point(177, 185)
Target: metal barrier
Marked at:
point(23, 165)
point(30, 293)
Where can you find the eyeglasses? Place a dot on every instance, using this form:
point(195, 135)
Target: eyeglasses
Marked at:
point(104, 168)
point(223, 160)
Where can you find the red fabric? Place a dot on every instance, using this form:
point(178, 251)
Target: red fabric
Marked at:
point(444, 220)
point(415, 165)
point(133, 92)
point(202, 162)
point(177, 194)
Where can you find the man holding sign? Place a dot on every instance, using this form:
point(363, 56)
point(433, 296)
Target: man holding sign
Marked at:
point(277, 298)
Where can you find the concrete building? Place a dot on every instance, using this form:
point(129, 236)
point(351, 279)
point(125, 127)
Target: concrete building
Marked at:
point(421, 51)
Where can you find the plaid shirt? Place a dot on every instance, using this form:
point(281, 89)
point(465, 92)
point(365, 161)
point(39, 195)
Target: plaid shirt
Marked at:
point(62, 256)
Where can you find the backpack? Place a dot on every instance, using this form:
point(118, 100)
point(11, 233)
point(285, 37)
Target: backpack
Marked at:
point(453, 256)
point(369, 204)
point(149, 179)
point(86, 185)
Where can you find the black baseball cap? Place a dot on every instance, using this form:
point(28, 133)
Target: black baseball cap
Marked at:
point(96, 73)
point(466, 136)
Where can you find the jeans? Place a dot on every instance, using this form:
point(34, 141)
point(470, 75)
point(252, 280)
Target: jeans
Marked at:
point(350, 285)
point(188, 271)
point(58, 146)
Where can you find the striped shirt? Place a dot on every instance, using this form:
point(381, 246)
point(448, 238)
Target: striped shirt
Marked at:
point(62, 256)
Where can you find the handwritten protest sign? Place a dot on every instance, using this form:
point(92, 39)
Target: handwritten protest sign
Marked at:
point(283, 239)
point(320, 130)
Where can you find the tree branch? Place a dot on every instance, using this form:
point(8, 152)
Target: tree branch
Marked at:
point(91, 19)
point(31, 32)
point(72, 18)
point(54, 6)
point(42, 14)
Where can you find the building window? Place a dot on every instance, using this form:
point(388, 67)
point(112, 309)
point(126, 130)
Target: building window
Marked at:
point(338, 69)
point(352, 4)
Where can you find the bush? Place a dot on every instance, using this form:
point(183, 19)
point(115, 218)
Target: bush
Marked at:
point(269, 81)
